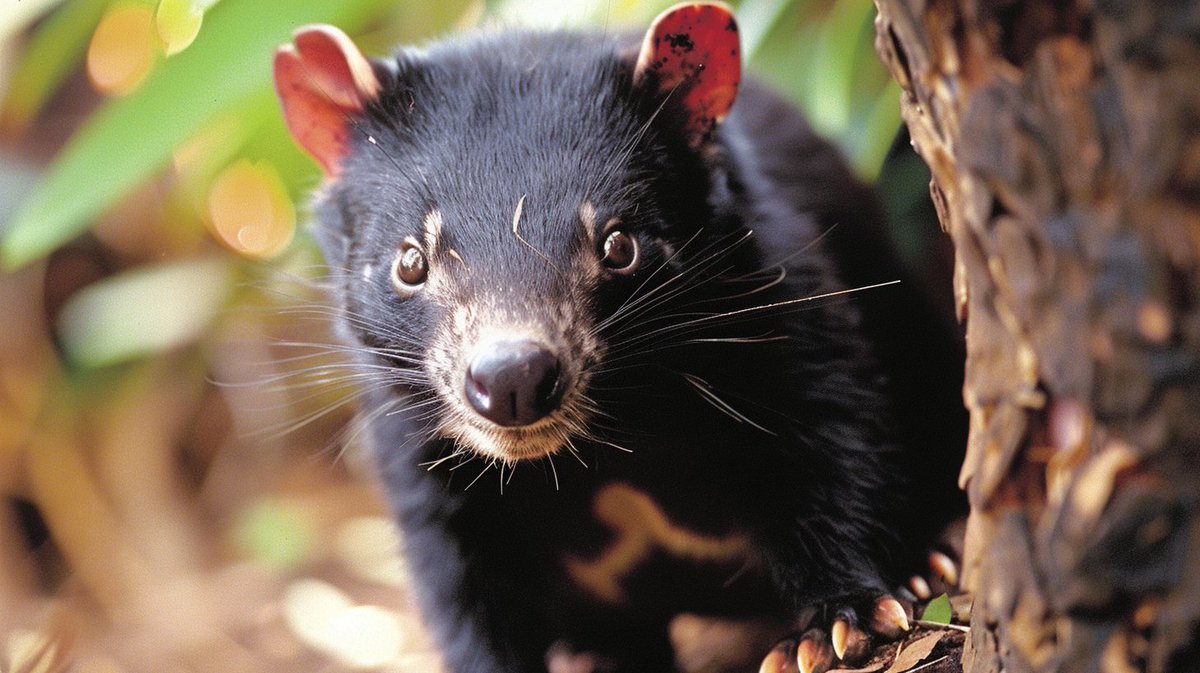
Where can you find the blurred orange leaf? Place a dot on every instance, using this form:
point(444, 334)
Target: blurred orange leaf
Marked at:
point(250, 210)
point(123, 49)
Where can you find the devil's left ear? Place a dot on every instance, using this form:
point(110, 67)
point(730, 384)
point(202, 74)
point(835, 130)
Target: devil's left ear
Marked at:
point(691, 53)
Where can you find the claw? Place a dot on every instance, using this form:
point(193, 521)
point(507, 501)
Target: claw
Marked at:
point(839, 635)
point(920, 587)
point(943, 566)
point(889, 619)
point(561, 660)
point(780, 659)
point(813, 654)
point(850, 643)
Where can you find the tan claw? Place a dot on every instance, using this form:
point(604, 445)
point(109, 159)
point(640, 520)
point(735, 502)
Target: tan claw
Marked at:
point(839, 635)
point(889, 619)
point(850, 643)
point(561, 660)
point(943, 566)
point(920, 588)
point(780, 659)
point(813, 654)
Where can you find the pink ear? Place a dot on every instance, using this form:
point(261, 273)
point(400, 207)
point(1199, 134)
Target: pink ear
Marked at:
point(322, 82)
point(691, 52)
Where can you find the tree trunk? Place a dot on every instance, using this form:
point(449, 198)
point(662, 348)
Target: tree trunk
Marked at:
point(1064, 141)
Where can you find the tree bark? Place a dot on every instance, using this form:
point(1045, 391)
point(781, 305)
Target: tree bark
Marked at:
point(1064, 142)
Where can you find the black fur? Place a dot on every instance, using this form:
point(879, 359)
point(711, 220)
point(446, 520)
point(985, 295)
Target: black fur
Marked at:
point(858, 398)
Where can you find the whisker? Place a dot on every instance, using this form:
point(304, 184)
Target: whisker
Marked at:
point(634, 297)
point(761, 288)
point(574, 451)
point(803, 249)
point(349, 434)
point(739, 340)
point(489, 465)
point(635, 139)
point(553, 471)
point(690, 272)
point(469, 458)
point(678, 328)
point(706, 392)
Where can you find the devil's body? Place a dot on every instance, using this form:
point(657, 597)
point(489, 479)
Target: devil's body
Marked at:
point(786, 435)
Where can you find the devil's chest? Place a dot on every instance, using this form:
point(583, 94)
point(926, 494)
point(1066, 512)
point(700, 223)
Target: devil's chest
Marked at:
point(626, 545)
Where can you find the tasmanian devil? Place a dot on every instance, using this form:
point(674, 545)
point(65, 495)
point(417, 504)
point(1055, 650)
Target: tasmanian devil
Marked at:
point(633, 351)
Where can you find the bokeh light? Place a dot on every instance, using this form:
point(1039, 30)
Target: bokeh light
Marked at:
point(123, 49)
point(250, 211)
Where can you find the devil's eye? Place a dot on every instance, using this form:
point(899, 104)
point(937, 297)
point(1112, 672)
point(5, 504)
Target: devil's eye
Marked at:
point(409, 269)
point(620, 252)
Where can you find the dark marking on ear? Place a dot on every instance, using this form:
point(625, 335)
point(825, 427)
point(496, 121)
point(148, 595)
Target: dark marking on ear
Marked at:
point(323, 81)
point(691, 53)
point(681, 42)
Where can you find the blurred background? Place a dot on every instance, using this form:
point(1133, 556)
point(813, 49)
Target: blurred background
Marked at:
point(181, 486)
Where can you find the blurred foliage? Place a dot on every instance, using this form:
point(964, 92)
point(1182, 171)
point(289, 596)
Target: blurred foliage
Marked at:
point(818, 53)
point(151, 212)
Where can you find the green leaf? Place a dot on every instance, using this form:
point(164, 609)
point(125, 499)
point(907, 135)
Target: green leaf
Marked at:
point(147, 310)
point(178, 23)
point(55, 49)
point(875, 132)
point(938, 611)
point(757, 18)
point(129, 138)
point(832, 67)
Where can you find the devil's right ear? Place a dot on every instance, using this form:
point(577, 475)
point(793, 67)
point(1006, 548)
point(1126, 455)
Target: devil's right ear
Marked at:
point(323, 82)
point(692, 53)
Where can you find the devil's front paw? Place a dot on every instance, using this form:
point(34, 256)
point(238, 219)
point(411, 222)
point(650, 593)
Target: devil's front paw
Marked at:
point(838, 633)
point(848, 633)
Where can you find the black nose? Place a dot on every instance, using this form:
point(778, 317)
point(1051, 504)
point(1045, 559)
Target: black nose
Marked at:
point(513, 383)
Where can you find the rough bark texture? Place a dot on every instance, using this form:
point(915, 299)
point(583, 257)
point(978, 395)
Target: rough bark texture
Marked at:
point(1064, 140)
